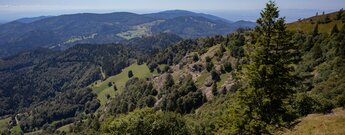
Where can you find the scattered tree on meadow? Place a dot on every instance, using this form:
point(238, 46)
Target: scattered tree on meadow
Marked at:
point(130, 73)
point(339, 14)
point(326, 19)
point(214, 89)
point(110, 84)
point(227, 66)
point(115, 88)
point(195, 57)
point(159, 70)
point(214, 75)
point(316, 30)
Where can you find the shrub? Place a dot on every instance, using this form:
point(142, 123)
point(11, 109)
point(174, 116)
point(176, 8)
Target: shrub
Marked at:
point(304, 104)
point(195, 57)
point(208, 59)
point(115, 88)
point(165, 68)
point(341, 100)
point(159, 70)
point(130, 74)
point(209, 66)
point(110, 84)
point(214, 89)
point(323, 104)
point(227, 66)
point(214, 75)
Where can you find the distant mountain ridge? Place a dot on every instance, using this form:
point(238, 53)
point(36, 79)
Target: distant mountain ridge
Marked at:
point(64, 31)
point(31, 19)
point(169, 14)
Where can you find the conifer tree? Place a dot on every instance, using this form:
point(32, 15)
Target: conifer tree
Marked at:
point(130, 73)
point(326, 19)
point(214, 89)
point(267, 78)
point(316, 30)
point(339, 14)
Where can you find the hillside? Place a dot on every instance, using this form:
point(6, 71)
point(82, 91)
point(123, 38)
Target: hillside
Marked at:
point(193, 82)
point(65, 31)
point(46, 77)
point(197, 81)
point(325, 22)
point(48, 81)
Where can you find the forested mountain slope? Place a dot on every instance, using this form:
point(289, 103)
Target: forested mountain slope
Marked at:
point(54, 83)
point(62, 32)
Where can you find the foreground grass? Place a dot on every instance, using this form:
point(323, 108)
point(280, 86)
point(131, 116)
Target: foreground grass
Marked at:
point(321, 124)
point(103, 89)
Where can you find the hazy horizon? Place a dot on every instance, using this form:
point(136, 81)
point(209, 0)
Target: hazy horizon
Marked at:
point(232, 15)
point(233, 10)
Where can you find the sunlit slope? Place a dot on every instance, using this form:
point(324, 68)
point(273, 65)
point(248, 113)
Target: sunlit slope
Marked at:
point(308, 24)
point(102, 88)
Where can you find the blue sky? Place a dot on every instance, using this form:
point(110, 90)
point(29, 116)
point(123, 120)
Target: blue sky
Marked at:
point(13, 9)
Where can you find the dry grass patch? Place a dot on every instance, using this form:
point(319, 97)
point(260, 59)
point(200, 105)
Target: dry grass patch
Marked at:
point(321, 124)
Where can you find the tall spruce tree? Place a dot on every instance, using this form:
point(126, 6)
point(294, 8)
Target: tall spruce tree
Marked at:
point(267, 79)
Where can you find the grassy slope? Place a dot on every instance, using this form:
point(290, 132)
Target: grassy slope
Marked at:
point(201, 79)
point(4, 123)
point(102, 88)
point(65, 128)
point(204, 74)
point(34, 133)
point(223, 78)
point(328, 124)
point(306, 25)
